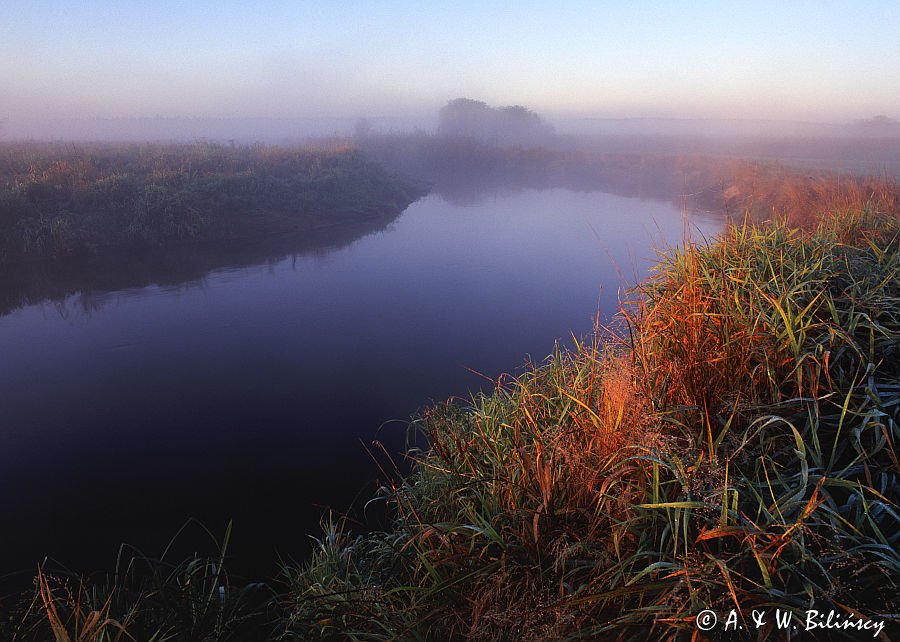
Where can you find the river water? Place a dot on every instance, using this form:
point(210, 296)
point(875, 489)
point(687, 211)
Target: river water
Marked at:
point(252, 389)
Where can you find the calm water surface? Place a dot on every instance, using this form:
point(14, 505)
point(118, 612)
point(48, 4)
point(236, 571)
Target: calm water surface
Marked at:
point(253, 393)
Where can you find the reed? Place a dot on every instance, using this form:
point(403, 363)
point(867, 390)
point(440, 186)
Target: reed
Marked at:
point(146, 599)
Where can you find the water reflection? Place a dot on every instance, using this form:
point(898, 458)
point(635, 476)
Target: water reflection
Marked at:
point(30, 283)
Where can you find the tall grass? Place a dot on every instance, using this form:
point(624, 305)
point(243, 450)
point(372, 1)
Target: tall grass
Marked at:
point(733, 447)
point(770, 191)
point(146, 599)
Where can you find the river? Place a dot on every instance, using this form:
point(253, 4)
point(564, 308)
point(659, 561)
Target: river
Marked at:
point(253, 391)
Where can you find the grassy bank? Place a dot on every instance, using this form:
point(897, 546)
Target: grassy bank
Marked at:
point(61, 200)
point(732, 446)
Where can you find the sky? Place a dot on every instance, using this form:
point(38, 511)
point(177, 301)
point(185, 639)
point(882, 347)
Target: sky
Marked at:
point(816, 60)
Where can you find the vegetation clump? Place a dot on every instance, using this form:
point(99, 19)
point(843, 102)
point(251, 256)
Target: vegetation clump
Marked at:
point(732, 446)
point(146, 599)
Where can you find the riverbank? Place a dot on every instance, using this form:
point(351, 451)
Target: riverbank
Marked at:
point(62, 200)
point(730, 447)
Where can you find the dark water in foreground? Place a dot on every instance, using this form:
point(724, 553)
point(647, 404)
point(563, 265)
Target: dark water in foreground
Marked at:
point(252, 393)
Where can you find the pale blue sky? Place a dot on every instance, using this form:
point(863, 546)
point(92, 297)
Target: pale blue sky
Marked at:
point(812, 60)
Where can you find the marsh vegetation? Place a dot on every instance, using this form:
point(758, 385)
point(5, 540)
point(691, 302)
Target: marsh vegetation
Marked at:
point(59, 200)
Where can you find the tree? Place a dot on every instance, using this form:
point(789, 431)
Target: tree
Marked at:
point(514, 125)
point(465, 118)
